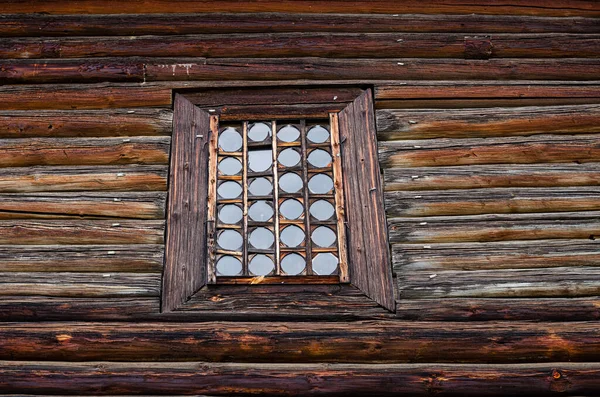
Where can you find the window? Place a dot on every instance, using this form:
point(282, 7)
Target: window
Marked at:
point(276, 191)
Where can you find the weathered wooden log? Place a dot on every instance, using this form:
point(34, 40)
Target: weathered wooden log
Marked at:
point(528, 7)
point(300, 379)
point(118, 122)
point(130, 205)
point(496, 255)
point(406, 104)
point(35, 25)
point(489, 201)
point(80, 284)
point(494, 309)
point(491, 176)
point(511, 283)
point(82, 258)
point(485, 228)
point(298, 342)
point(14, 232)
point(84, 151)
point(477, 151)
point(471, 123)
point(335, 45)
point(83, 178)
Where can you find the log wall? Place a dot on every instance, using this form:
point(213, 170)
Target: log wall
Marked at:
point(488, 119)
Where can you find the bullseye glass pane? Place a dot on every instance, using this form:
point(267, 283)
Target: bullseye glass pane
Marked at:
point(323, 237)
point(261, 238)
point(325, 264)
point(260, 211)
point(230, 240)
point(229, 190)
point(292, 236)
point(230, 140)
point(289, 133)
point(230, 166)
point(229, 266)
point(289, 157)
point(318, 134)
point(322, 210)
point(230, 214)
point(259, 132)
point(319, 158)
point(290, 182)
point(260, 160)
point(320, 184)
point(260, 187)
point(261, 265)
point(291, 209)
point(293, 264)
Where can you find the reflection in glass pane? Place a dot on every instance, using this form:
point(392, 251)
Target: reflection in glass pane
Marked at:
point(229, 190)
point(319, 158)
point(317, 134)
point(324, 264)
point(292, 236)
point(320, 184)
point(260, 187)
point(230, 214)
point(322, 210)
point(291, 209)
point(261, 238)
point(260, 160)
point(260, 211)
point(293, 264)
point(323, 237)
point(230, 140)
point(261, 265)
point(229, 266)
point(289, 157)
point(259, 132)
point(230, 166)
point(290, 182)
point(230, 240)
point(289, 133)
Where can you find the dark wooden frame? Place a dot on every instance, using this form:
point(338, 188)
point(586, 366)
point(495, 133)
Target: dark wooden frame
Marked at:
point(185, 284)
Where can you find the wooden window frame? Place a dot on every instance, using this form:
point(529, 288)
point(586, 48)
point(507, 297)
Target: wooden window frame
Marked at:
point(185, 278)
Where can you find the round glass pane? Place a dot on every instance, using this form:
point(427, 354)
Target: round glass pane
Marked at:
point(261, 238)
point(319, 158)
point(290, 182)
point(291, 209)
point(230, 140)
point(229, 190)
point(322, 210)
point(318, 134)
point(259, 132)
point(260, 187)
point(230, 240)
point(230, 166)
point(289, 157)
point(320, 184)
point(323, 237)
point(230, 214)
point(261, 265)
point(260, 211)
point(293, 264)
point(289, 133)
point(260, 160)
point(229, 266)
point(292, 236)
point(324, 264)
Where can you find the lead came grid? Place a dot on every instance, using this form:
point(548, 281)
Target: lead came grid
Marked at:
point(269, 193)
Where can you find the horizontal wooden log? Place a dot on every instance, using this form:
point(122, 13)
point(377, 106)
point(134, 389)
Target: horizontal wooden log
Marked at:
point(518, 283)
point(82, 178)
point(528, 7)
point(82, 258)
point(471, 123)
point(34, 25)
point(303, 342)
point(300, 379)
point(490, 201)
point(487, 228)
point(496, 255)
point(136, 205)
point(334, 45)
point(80, 284)
point(81, 232)
point(118, 122)
point(481, 103)
point(478, 151)
point(491, 176)
point(83, 151)
point(494, 309)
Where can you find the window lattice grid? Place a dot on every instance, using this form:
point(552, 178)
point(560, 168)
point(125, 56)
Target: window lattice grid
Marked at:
point(275, 200)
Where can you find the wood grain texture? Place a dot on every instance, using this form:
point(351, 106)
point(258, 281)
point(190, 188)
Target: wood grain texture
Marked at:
point(472, 123)
point(303, 342)
point(84, 123)
point(185, 255)
point(491, 176)
point(488, 228)
point(300, 379)
point(479, 103)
